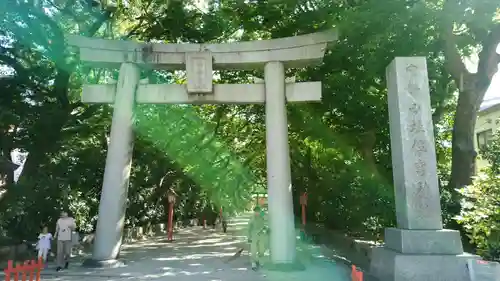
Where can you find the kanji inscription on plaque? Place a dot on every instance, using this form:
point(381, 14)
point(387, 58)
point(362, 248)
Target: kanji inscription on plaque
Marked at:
point(199, 72)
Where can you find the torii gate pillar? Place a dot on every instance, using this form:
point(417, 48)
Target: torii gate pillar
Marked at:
point(274, 56)
point(279, 180)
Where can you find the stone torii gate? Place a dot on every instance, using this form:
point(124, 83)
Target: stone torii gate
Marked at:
point(199, 60)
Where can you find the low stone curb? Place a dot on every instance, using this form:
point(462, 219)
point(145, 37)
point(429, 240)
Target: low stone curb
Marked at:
point(341, 248)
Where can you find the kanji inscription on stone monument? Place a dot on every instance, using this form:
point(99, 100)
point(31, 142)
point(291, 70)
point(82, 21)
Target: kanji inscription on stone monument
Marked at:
point(421, 190)
point(420, 167)
point(415, 125)
point(413, 153)
point(414, 79)
point(419, 146)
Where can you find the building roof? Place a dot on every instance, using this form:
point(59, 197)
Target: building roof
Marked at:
point(489, 103)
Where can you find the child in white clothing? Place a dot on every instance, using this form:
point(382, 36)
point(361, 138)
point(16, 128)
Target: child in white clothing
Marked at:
point(43, 245)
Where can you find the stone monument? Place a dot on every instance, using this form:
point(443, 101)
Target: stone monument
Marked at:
point(419, 249)
point(199, 60)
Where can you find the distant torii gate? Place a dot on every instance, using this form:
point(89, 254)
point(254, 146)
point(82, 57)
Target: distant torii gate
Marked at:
point(199, 60)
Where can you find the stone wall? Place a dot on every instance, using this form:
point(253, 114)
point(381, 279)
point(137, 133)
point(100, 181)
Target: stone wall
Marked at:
point(343, 248)
point(132, 234)
point(16, 252)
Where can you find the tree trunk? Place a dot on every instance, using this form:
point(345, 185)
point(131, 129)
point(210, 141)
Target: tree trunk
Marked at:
point(7, 168)
point(463, 152)
point(367, 143)
point(473, 87)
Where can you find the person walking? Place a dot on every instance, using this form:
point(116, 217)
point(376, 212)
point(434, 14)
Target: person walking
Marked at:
point(223, 220)
point(43, 244)
point(64, 227)
point(257, 231)
point(224, 224)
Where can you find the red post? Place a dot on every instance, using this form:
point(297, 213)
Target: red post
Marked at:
point(304, 215)
point(303, 202)
point(171, 197)
point(32, 273)
point(28, 268)
point(356, 275)
point(40, 267)
point(8, 270)
point(170, 221)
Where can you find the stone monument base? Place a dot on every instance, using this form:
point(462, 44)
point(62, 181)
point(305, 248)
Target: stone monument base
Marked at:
point(390, 265)
point(113, 263)
point(424, 242)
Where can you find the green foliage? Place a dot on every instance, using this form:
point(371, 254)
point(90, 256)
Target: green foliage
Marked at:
point(491, 153)
point(480, 213)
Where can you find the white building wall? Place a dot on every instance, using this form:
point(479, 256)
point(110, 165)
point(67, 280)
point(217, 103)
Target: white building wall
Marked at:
point(486, 120)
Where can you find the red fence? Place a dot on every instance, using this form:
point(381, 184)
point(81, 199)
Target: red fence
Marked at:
point(29, 268)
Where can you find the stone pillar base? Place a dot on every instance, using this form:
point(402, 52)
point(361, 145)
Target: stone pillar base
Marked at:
point(389, 265)
point(113, 263)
